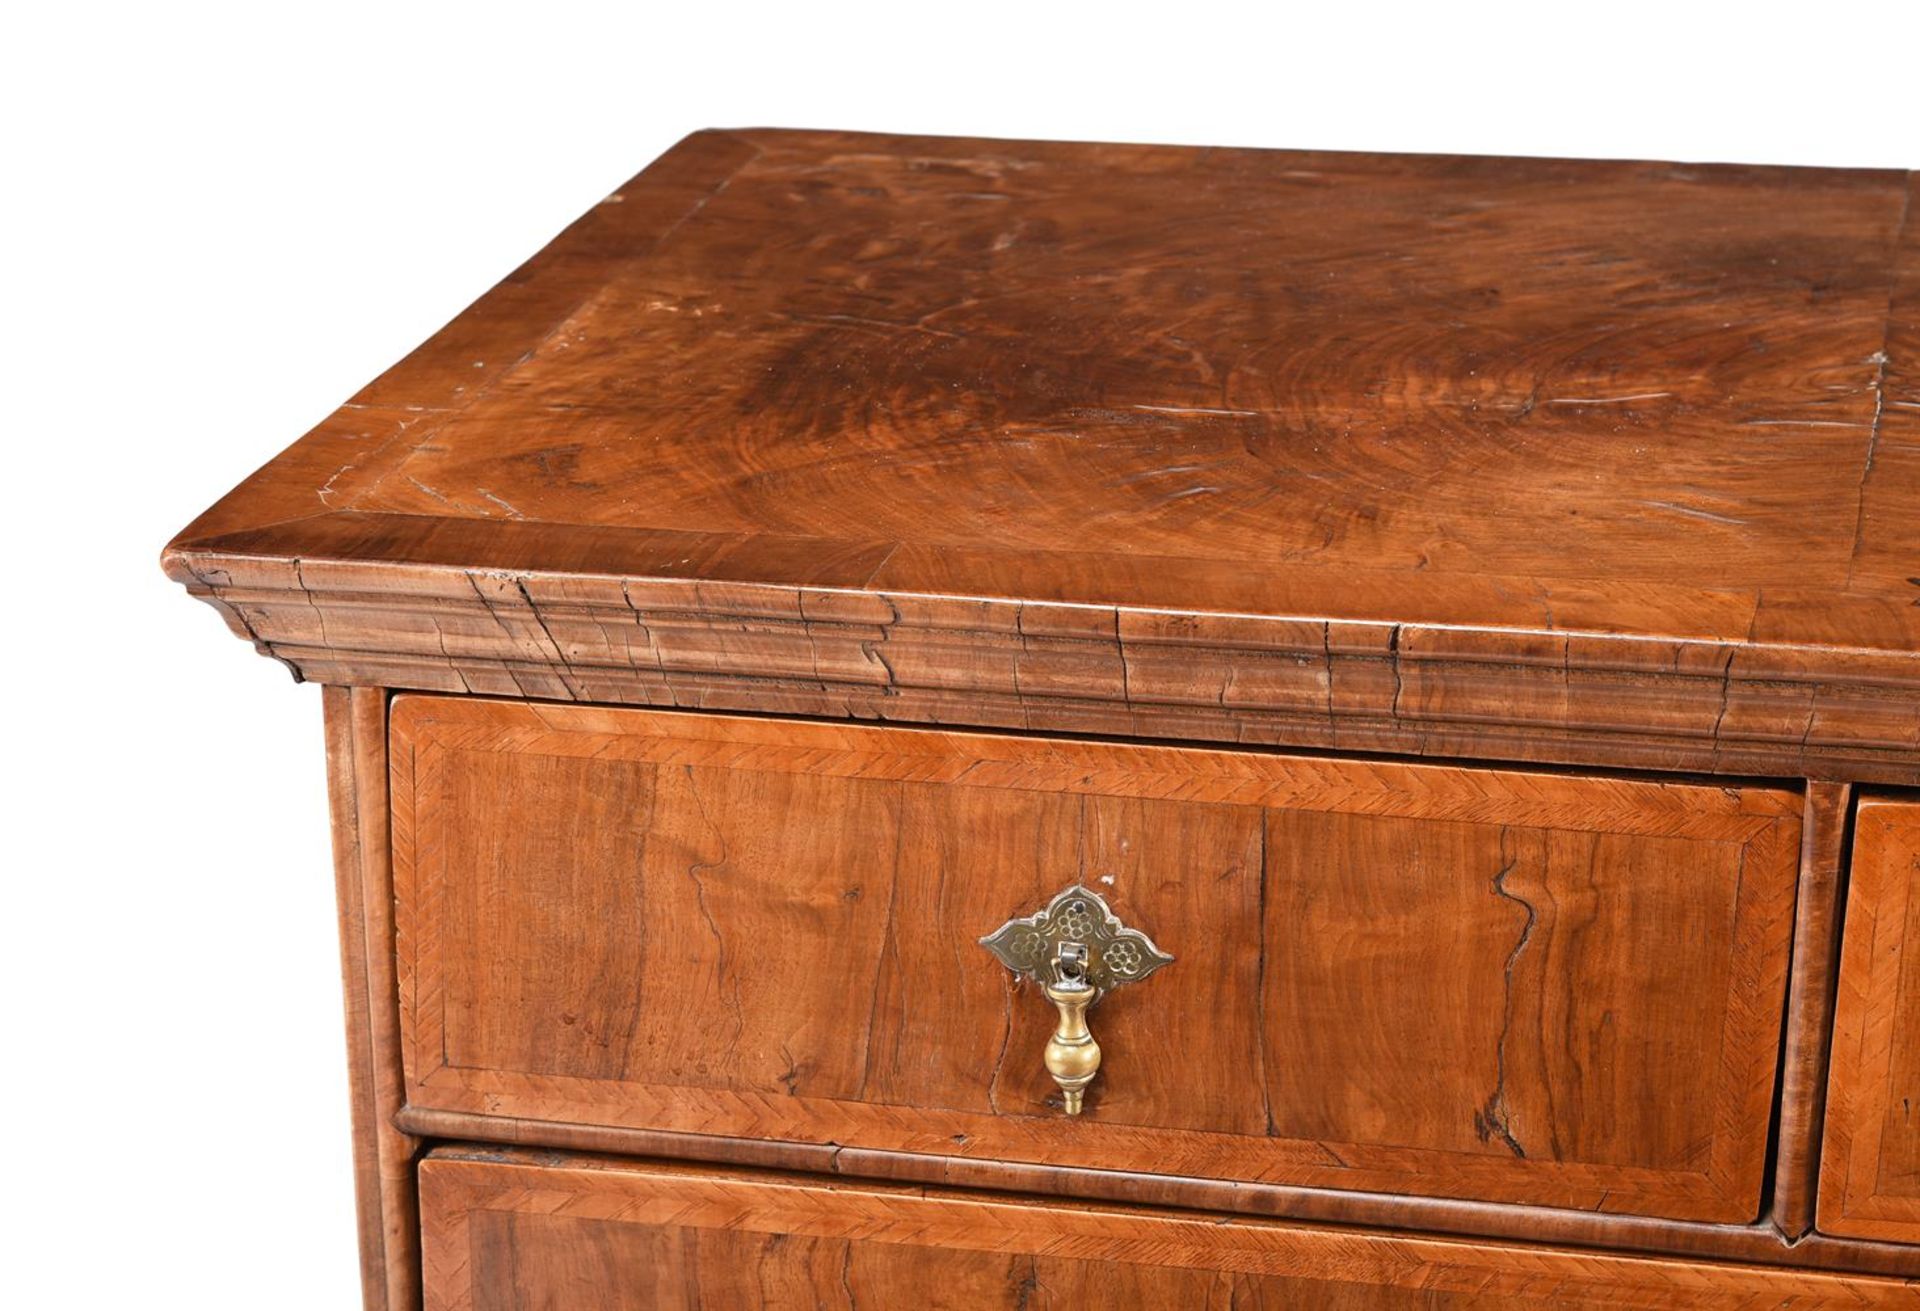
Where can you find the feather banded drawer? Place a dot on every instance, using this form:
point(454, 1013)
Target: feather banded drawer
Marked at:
point(925, 719)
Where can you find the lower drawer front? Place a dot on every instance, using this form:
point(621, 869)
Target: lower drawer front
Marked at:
point(1870, 1164)
point(515, 1232)
point(1482, 984)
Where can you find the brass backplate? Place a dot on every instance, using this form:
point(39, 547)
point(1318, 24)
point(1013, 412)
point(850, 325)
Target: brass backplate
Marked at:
point(1115, 954)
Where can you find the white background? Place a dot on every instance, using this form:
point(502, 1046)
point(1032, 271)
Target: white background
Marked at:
point(219, 221)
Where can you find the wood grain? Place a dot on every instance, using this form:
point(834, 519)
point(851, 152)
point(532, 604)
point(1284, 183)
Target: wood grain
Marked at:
point(1603, 464)
point(1870, 1176)
point(1499, 985)
point(383, 1155)
point(1885, 518)
point(1759, 1243)
point(507, 1232)
point(1810, 993)
point(1523, 459)
point(1376, 686)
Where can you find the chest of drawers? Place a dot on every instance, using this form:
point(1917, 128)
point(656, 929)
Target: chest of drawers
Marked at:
point(942, 720)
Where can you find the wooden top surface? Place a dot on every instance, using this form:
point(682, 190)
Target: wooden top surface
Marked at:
point(1527, 397)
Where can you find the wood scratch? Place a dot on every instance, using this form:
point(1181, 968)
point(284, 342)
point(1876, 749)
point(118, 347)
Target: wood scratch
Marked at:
point(1197, 409)
point(501, 502)
point(1608, 400)
point(1692, 513)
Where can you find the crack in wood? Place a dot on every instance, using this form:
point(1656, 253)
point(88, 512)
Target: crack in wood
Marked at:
point(1494, 1120)
point(697, 871)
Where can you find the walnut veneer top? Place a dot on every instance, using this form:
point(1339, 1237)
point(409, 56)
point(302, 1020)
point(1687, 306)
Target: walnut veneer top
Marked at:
point(1530, 411)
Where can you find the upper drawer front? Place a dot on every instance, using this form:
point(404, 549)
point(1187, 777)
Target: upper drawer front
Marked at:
point(1468, 983)
point(1870, 1170)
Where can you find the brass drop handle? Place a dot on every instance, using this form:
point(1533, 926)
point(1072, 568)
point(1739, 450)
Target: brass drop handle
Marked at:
point(1073, 1057)
point(1076, 950)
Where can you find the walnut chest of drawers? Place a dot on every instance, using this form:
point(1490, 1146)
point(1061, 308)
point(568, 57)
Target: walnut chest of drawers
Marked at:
point(942, 722)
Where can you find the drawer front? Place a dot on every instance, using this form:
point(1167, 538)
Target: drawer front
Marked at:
point(1870, 1157)
point(1397, 978)
point(502, 1232)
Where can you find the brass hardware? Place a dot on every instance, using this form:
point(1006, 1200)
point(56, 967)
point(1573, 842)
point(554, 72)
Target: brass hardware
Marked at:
point(1073, 1057)
point(1077, 950)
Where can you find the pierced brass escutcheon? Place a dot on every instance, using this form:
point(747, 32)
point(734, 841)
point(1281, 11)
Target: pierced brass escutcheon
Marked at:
point(1077, 950)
